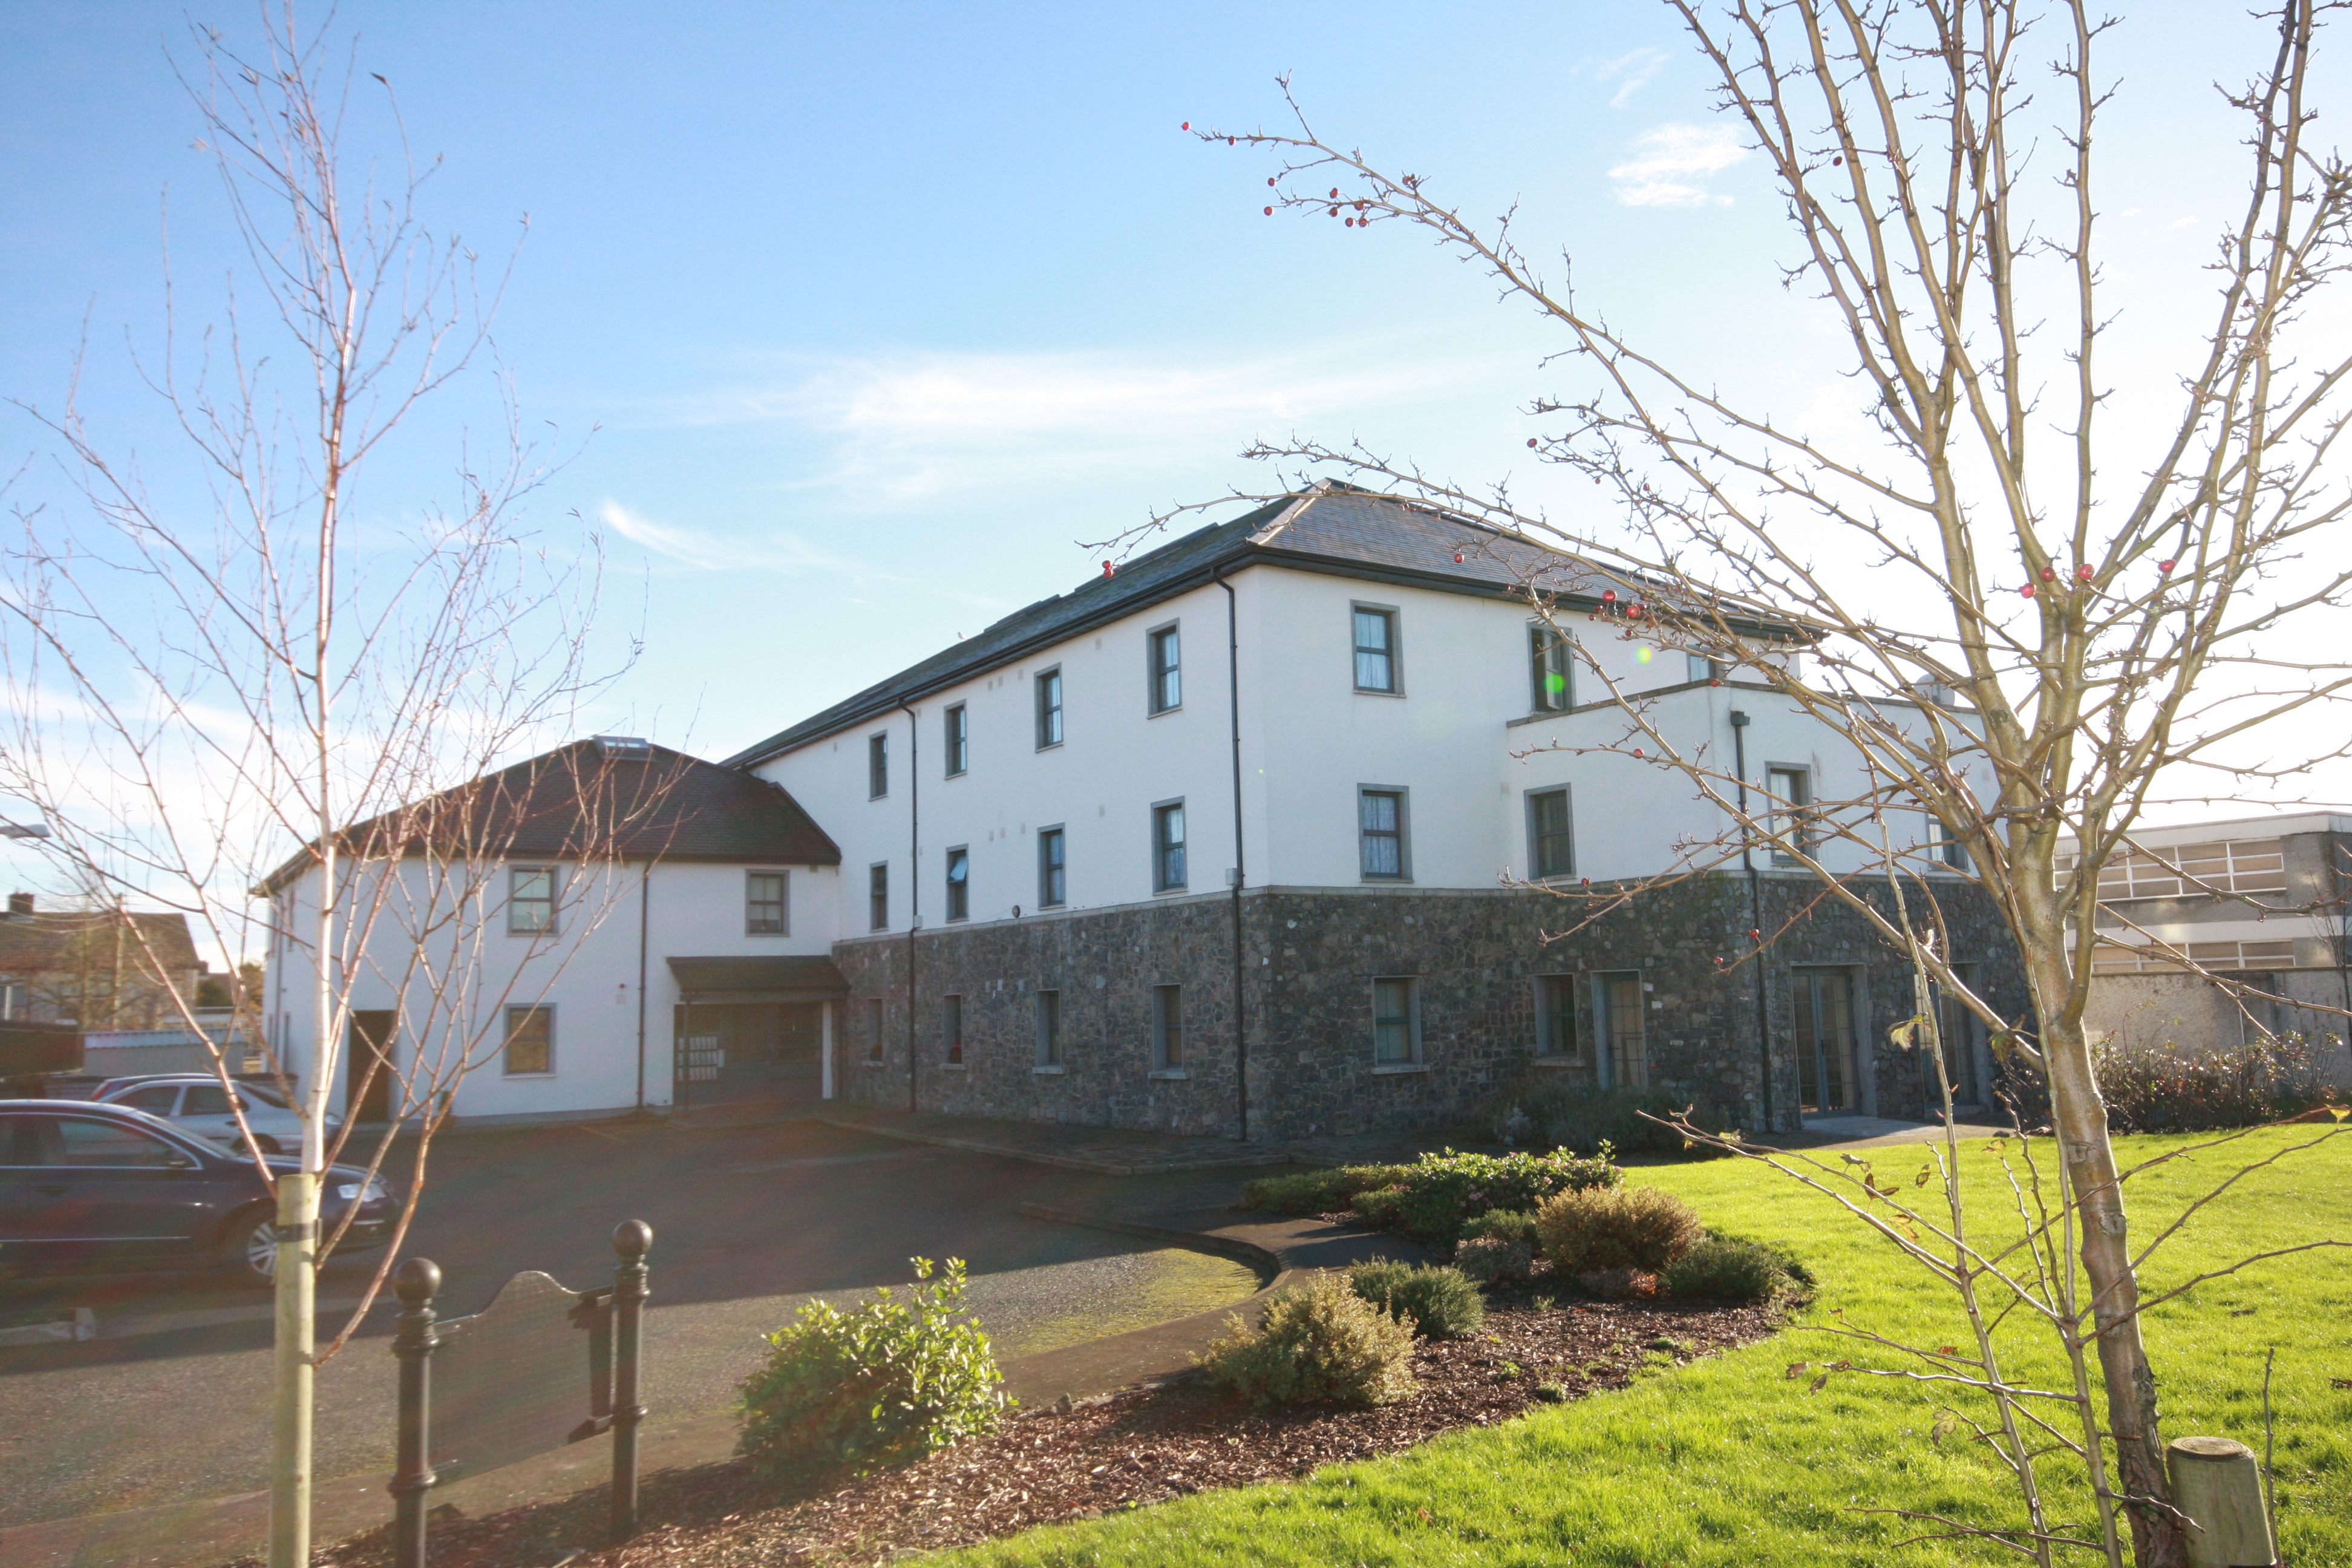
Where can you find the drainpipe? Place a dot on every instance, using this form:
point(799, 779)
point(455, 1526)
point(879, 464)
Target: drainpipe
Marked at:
point(1241, 864)
point(644, 903)
point(1755, 908)
point(914, 878)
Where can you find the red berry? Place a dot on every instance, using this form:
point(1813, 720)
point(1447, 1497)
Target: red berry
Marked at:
point(1839, 163)
point(1607, 596)
point(1457, 558)
point(1335, 212)
point(1186, 126)
point(2049, 575)
point(1269, 179)
point(1229, 141)
point(2083, 574)
point(1334, 192)
point(1531, 441)
point(1269, 211)
point(1637, 750)
point(1753, 932)
point(1351, 223)
point(2165, 565)
point(2027, 590)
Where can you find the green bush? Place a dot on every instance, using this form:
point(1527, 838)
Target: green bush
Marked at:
point(1487, 1258)
point(1441, 1302)
point(1441, 1193)
point(1788, 1262)
point(1595, 1229)
point(885, 1383)
point(1318, 1191)
point(2166, 1088)
point(1381, 1210)
point(1547, 1114)
point(1502, 1225)
point(1721, 1270)
point(1318, 1343)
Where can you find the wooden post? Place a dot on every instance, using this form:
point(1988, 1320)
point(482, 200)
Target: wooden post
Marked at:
point(632, 1240)
point(416, 1283)
point(2217, 1482)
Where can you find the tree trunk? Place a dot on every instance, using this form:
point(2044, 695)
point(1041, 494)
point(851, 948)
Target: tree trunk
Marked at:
point(290, 1427)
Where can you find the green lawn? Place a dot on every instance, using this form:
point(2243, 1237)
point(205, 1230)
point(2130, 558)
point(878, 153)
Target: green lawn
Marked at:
point(1728, 1462)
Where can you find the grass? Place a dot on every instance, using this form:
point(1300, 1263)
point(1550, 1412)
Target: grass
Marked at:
point(1728, 1461)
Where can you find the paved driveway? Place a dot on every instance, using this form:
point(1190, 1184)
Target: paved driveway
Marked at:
point(748, 1223)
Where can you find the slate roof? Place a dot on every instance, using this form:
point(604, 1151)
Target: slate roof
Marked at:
point(1334, 528)
point(581, 798)
point(43, 943)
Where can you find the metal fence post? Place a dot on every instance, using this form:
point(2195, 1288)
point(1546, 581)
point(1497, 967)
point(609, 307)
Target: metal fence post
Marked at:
point(632, 1239)
point(416, 1283)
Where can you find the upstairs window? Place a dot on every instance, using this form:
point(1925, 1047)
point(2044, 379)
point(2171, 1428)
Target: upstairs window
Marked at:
point(959, 884)
point(1166, 658)
point(958, 738)
point(1551, 838)
point(1376, 649)
point(1168, 847)
point(531, 900)
point(877, 897)
point(764, 903)
point(1791, 792)
point(1049, 709)
point(1052, 867)
point(1697, 666)
point(877, 765)
point(1551, 675)
point(1379, 828)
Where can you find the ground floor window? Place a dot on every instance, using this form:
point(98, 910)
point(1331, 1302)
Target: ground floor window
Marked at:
point(1396, 1031)
point(951, 1029)
point(530, 1041)
point(873, 1028)
point(1556, 1037)
point(1617, 1027)
point(1960, 1032)
point(1049, 1028)
point(1167, 1027)
point(1825, 1045)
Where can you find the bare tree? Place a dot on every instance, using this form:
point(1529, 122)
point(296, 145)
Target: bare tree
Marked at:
point(255, 656)
point(2023, 643)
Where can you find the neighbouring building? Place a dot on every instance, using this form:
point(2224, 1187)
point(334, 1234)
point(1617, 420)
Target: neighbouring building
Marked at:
point(1274, 828)
point(2260, 902)
point(106, 970)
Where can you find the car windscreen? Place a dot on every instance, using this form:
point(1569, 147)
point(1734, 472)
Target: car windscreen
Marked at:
point(204, 1100)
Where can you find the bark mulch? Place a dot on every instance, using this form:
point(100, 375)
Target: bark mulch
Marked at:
point(1138, 1446)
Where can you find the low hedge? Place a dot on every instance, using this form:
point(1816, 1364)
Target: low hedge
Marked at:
point(1324, 1191)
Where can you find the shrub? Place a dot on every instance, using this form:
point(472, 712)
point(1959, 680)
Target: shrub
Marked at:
point(1502, 1225)
point(1318, 1191)
point(2168, 1088)
point(1317, 1343)
point(1441, 1193)
point(1721, 1270)
point(1619, 1284)
point(1596, 1229)
point(887, 1382)
point(1441, 1302)
point(1382, 1209)
point(1485, 1260)
point(1788, 1262)
point(1548, 1114)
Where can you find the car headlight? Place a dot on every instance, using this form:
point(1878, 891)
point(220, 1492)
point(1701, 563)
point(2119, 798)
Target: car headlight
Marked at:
point(366, 1192)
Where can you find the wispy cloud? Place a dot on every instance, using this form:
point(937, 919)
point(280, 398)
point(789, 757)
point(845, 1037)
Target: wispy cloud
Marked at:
point(1631, 71)
point(706, 551)
point(1671, 159)
point(905, 429)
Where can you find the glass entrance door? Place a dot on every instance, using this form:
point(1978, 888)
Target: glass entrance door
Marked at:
point(1825, 1054)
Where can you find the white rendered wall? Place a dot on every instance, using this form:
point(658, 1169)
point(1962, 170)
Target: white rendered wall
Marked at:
point(588, 972)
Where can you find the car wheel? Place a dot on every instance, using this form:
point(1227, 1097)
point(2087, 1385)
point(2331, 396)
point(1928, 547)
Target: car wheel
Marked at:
point(251, 1251)
point(266, 1145)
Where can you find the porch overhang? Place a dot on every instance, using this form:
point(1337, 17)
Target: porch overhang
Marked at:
point(780, 979)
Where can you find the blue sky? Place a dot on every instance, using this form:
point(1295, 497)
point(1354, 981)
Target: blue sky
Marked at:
point(878, 312)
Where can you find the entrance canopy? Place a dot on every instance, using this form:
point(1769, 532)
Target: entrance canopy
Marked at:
point(720, 979)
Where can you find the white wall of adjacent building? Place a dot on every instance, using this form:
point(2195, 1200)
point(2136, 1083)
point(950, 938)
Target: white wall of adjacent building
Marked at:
point(454, 997)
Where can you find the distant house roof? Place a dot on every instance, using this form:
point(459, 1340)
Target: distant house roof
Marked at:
point(45, 943)
point(627, 801)
point(1333, 529)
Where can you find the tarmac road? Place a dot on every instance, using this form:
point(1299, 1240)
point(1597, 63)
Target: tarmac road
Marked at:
point(748, 1223)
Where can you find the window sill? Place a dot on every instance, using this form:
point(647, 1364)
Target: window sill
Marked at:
point(1053, 1068)
point(1376, 691)
point(955, 1067)
point(1386, 881)
point(778, 934)
point(1170, 1073)
point(1560, 1064)
point(1051, 746)
point(511, 1077)
point(1398, 1069)
point(1163, 892)
point(870, 1062)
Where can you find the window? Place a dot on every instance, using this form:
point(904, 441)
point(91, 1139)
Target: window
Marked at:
point(1555, 1035)
point(1168, 847)
point(1166, 655)
point(1167, 1028)
point(958, 739)
point(873, 1028)
point(951, 1030)
point(1053, 868)
point(959, 884)
point(13, 997)
point(877, 897)
point(205, 1099)
point(530, 1041)
point(1552, 838)
point(1049, 709)
point(1948, 850)
point(1551, 679)
point(87, 1140)
point(1791, 792)
point(1379, 829)
point(877, 765)
point(1396, 1033)
point(1617, 1028)
point(1049, 1028)
point(1376, 650)
point(159, 1099)
point(2238, 866)
point(531, 900)
point(763, 903)
point(1698, 667)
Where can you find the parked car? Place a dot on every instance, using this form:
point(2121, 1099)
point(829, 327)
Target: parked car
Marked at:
point(197, 1104)
point(84, 1184)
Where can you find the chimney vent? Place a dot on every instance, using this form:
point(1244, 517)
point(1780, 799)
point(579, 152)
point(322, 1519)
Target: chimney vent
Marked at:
point(20, 906)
